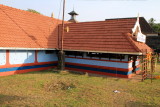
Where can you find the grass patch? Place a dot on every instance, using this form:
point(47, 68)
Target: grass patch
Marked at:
point(61, 84)
point(48, 88)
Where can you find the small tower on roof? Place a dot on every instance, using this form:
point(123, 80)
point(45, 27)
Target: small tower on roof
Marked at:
point(73, 17)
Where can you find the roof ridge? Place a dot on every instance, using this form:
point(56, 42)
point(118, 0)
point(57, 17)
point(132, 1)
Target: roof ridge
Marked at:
point(41, 15)
point(102, 21)
point(86, 22)
point(123, 18)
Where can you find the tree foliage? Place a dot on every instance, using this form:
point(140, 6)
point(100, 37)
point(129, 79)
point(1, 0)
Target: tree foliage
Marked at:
point(33, 11)
point(155, 26)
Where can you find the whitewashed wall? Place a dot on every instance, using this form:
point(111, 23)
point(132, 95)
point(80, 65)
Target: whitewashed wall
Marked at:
point(137, 62)
point(100, 63)
point(21, 57)
point(2, 57)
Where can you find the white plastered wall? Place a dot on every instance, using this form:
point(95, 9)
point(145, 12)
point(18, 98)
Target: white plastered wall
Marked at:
point(2, 57)
point(21, 56)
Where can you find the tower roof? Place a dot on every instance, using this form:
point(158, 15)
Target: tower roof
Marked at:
point(73, 13)
point(73, 17)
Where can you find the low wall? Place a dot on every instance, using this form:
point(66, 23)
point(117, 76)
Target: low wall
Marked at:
point(22, 61)
point(100, 66)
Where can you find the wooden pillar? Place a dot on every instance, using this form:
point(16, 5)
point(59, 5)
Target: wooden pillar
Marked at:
point(7, 57)
point(36, 56)
point(61, 54)
point(61, 60)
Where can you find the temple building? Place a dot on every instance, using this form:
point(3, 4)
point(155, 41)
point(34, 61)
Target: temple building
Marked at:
point(30, 42)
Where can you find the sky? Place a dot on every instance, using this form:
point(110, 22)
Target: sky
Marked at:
point(91, 10)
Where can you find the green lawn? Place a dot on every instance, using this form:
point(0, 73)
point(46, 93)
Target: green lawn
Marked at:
point(50, 89)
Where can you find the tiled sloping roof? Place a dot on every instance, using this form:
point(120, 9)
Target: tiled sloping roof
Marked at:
point(22, 29)
point(145, 27)
point(102, 36)
point(142, 47)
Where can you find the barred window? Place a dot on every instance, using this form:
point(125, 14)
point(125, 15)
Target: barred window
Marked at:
point(74, 53)
point(49, 51)
point(92, 54)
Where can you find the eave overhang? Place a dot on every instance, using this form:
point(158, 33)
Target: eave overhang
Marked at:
point(127, 53)
point(19, 48)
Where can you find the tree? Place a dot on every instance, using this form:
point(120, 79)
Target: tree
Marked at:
point(152, 22)
point(33, 11)
point(155, 26)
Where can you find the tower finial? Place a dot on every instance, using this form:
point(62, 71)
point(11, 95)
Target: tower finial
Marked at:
point(73, 7)
point(138, 17)
point(52, 15)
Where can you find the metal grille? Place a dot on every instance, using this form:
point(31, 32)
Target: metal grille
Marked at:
point(148, 66)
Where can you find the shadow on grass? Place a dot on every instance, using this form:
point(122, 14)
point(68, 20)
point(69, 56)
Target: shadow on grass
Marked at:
point(43, 72)
point(94, 75)
point(6, 99)
point(76, 73)
point(140, 104)
point(54, 71)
